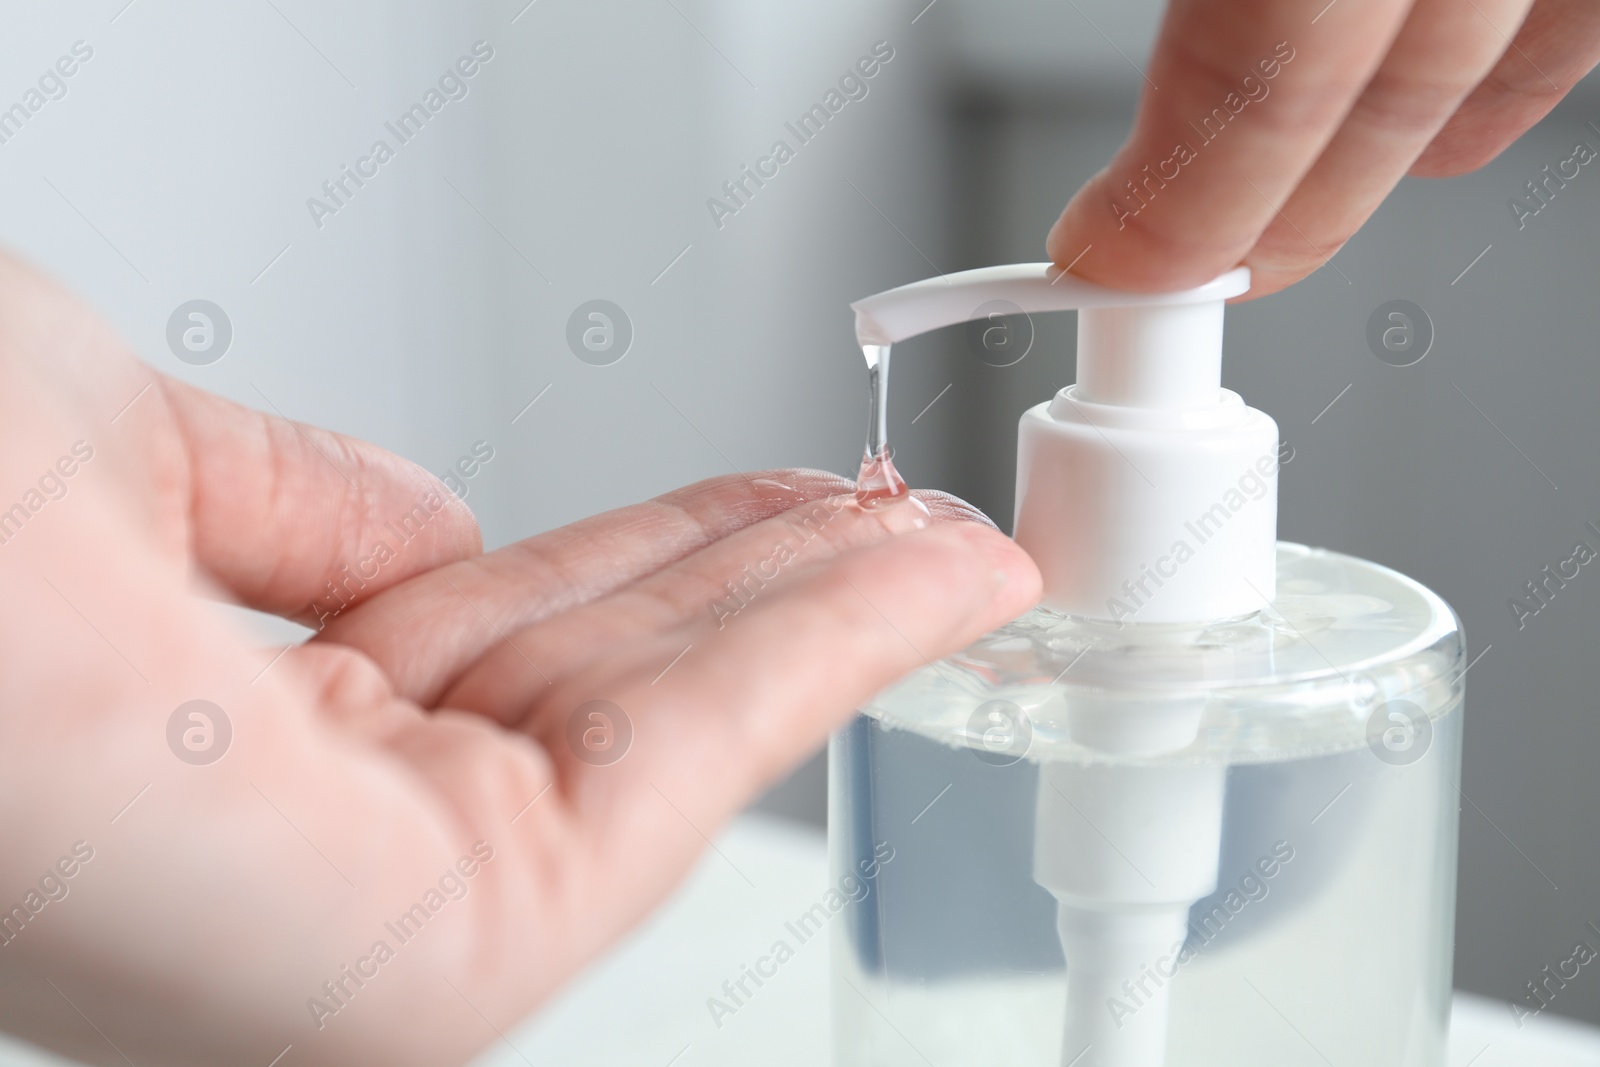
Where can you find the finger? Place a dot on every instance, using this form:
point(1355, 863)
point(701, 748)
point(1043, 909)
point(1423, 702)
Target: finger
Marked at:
point(755, 696)
point(1250, 92)
point(1557, 45)
point(1442, 51)
point(426, 631)
point(716, 584)
point(272, 511)
point(478, 608)
point(297, 520)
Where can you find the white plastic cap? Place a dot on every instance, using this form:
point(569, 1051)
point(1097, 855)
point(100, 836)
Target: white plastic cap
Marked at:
point(1145, 492)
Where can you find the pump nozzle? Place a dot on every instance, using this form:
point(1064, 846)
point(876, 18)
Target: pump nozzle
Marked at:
point(1160, 350)
point(1145, 492)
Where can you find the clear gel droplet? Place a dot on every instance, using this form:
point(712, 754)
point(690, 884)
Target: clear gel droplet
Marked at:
point(878, 482)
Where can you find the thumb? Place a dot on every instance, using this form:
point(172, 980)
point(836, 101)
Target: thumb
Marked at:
point(301, 521)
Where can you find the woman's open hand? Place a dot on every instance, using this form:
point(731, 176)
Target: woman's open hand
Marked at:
point(389, 843)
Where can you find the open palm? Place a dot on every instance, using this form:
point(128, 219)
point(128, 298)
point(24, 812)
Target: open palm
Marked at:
point(391, 842)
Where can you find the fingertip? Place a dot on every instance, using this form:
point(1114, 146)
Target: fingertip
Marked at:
point(1131, 253)
point(1453, 153)
point(448, 534)
point(1070, 242)
point(463, 535)
point(1010, 583)
point(1275, 269)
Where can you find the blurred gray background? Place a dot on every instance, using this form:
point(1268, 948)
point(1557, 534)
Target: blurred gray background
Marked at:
point(433, 307)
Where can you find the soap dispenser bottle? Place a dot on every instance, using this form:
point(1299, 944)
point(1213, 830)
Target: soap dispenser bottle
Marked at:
point(1197, 808)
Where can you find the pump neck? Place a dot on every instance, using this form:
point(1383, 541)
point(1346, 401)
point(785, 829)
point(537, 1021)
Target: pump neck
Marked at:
point(1160, 357)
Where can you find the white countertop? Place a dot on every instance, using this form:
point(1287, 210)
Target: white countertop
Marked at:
point(645, 1004)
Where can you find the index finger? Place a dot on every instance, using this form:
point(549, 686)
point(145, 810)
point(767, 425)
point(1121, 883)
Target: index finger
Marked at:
point(1241, 98)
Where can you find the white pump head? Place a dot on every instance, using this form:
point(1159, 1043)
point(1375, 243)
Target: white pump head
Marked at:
point(1145, 492)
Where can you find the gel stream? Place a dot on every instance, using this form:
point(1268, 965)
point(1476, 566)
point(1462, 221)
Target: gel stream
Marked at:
point(878, 481)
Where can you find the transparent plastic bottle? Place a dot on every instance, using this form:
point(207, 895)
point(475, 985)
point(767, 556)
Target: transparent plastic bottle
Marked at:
point(1197, 809)
point(1330, 727)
